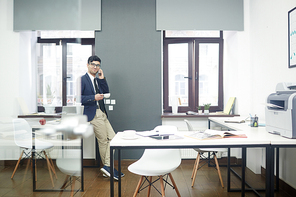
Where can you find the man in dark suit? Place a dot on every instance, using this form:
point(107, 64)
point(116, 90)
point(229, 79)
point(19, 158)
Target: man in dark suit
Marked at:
point(92, 94)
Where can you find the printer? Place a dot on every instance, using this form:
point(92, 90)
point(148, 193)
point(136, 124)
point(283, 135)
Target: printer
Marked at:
point(280, 111)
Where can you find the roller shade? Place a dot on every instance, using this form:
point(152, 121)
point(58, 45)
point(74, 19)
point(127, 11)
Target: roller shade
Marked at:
point(200, 15)
point(57, 15)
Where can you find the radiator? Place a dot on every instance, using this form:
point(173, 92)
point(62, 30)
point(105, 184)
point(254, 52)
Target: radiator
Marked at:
point(188, 153)
point(192, 154)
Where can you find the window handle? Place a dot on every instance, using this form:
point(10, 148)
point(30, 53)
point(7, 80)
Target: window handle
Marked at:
point(65, 78)
point(196, 76)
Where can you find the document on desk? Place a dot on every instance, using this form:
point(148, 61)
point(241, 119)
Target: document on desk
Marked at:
point(236, 120)
point(159, 135)
point(166, 137)
point(164, 132)
point(147, 133)
point(210, 134)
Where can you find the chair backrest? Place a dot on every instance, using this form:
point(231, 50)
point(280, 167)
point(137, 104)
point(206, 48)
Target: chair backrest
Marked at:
point(166, 155)
point(160, 161)
point(189, 126)
point(22, 133)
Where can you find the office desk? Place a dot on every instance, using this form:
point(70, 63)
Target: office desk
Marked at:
point(247, 129)
point(276, 142)
point(256, 138)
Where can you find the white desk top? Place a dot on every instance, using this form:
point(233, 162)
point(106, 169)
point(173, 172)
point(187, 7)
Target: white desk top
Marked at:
point(255, 136)
point(274, 138)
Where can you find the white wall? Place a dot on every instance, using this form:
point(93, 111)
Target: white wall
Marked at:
point(9, 61)
point(255, 61)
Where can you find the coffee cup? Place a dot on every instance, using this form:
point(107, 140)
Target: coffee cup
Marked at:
point(129, 133)
point(107, 95)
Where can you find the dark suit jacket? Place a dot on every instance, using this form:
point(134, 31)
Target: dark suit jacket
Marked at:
point(88, 95)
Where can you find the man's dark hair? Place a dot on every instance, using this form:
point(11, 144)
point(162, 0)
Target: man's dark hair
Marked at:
point(93, 58)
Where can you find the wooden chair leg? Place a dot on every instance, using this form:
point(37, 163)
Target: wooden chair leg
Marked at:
point(35, 169)
point(149, 187)
point(174, 184)
point(195, 169)
point(65, 182)
point(138, 186)
point(194, 165)
point(72, 187)
point(17, 164)
point(31, 161)
point(49, 170)
point(161, 186)
point(218, 169)
point(51, 165)
point(53, 170)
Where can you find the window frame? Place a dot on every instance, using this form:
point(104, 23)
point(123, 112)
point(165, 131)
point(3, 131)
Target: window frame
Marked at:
point(64, 42)
point(193, 65)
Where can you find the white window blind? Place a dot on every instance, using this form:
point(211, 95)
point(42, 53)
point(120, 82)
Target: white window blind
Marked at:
point(200, 15)
point(57, 15)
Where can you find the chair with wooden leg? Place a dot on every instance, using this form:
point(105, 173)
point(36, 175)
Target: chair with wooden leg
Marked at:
point(156, 162)
point(201, 152)
point(23, 139)
point(70, 164)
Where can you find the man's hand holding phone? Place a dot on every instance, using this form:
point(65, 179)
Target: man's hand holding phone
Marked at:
point(101, 74)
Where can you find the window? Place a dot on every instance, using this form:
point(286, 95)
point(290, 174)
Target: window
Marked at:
point(193, 70)
point(60, 63)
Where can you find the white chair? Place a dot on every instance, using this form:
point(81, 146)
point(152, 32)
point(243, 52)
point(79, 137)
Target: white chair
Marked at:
point(71, 166)
point(23, 139)
point(200, 153)
point(156, 162)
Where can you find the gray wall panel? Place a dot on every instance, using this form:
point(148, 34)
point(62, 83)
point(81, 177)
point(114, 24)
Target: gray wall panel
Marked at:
point(130, 49)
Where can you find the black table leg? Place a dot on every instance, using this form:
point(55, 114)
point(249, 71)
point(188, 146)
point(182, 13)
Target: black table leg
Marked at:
point(271, 172)
point(119, 172)
point(228, 171)
point(33, 164)
point(244, 157)
point(277, 169)
point(112, 172)
point(82, 175)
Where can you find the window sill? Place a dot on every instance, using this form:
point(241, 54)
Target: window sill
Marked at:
point(183, 115)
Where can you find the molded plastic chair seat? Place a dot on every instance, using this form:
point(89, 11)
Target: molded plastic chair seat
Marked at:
point(69, 166)
point(39, 145)
point(156, 162)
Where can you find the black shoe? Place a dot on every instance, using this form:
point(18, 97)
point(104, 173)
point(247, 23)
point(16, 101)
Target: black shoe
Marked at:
point(106, 172)
point(116, 172)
